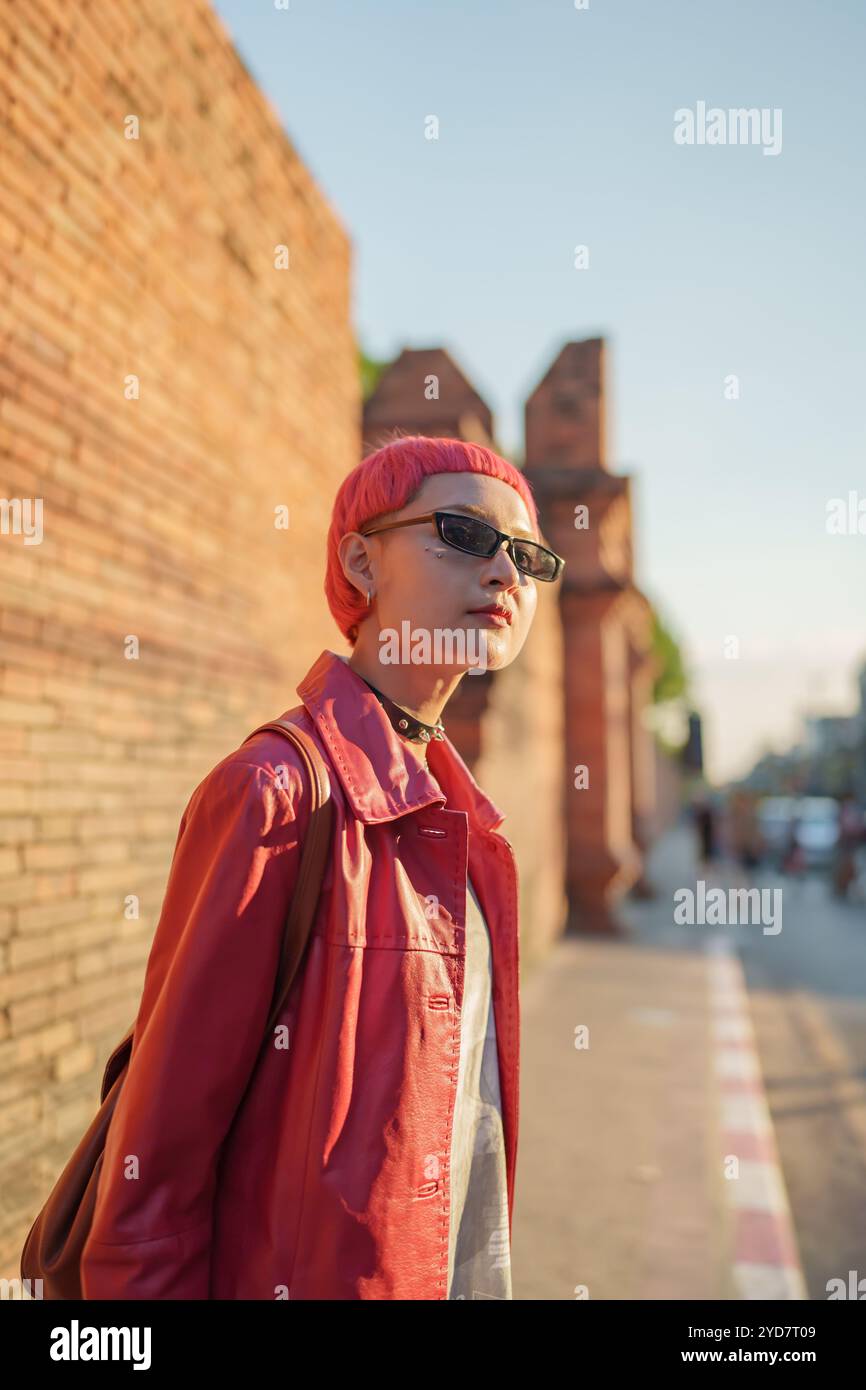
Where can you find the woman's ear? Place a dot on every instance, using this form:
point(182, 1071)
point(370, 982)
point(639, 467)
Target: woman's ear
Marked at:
point(354, 556)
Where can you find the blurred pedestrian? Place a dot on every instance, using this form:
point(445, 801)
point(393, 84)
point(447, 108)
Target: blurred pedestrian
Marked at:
point(849, 838)
point(745, 835)
point(704, 817)
point(793, 859)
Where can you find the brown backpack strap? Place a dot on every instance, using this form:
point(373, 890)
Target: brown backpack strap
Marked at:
point(312, 867)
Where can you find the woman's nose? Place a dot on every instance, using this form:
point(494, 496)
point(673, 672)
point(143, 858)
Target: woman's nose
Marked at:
point(501, 566)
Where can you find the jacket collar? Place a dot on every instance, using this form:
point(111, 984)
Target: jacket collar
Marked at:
point(379, 775)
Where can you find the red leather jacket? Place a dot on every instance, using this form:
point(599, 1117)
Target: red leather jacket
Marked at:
point(239, 1168)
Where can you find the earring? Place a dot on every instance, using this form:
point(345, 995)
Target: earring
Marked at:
point(368, 598)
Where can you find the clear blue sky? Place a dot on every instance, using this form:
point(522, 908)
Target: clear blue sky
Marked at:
point(556, 128)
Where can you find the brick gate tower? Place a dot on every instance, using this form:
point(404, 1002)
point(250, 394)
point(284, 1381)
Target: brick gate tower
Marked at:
point(608, 761)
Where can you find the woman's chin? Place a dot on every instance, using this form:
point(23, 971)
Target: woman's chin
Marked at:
point(491, 649)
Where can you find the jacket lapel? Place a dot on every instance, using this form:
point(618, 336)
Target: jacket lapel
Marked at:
point(378, 774)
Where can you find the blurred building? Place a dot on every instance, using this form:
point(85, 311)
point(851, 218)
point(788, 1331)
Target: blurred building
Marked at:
point(860, 754)
point(829, 735)
point(829, 761)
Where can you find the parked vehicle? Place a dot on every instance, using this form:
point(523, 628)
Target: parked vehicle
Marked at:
point(817, 829)
point(775, 814)
point(799, 832)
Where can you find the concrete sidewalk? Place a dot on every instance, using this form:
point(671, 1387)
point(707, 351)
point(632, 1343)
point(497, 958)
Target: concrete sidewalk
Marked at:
point(621, 1189)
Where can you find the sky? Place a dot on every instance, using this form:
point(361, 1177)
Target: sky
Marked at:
point(707, 262)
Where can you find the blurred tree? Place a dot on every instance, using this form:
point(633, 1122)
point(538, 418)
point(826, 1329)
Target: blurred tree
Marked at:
point(370, 370)
point(671, 682)
point(669, 714)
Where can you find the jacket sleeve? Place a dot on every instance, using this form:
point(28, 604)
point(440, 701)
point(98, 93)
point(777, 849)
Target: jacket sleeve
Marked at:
point(208, 988)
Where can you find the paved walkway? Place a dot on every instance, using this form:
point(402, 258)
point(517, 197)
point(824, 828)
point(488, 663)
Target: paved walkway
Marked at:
point(622, 1190)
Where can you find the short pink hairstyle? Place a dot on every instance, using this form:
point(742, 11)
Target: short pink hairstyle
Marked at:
point(384, 482)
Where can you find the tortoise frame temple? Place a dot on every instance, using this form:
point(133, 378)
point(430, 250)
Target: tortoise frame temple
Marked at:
point(392, 525)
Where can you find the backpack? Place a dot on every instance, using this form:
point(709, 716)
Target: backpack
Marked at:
point(51, 1257)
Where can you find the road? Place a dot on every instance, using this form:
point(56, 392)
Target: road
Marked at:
point(807, 994)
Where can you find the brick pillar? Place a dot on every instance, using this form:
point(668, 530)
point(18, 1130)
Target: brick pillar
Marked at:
point(606, 626)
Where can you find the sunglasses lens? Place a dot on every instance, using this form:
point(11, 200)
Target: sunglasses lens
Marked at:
point(465, 533)
point(534, 560)
point(477, 538)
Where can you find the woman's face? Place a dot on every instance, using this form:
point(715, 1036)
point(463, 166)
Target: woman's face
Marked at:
point(419, 580)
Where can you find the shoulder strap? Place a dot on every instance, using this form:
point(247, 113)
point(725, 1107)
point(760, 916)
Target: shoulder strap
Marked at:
point(312, 867)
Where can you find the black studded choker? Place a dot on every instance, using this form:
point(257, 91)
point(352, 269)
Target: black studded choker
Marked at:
point(404, 723)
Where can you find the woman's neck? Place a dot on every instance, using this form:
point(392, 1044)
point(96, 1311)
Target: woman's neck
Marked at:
point(418, 690)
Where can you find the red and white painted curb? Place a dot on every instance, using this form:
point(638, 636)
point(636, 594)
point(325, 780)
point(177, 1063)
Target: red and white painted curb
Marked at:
point(766, 1261)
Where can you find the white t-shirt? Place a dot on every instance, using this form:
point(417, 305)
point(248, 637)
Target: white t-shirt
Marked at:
point(479, 1255)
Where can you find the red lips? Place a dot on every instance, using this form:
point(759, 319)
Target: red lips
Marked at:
point(496, 609)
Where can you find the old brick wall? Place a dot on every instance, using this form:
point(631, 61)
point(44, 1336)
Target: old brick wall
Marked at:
point(166, 383)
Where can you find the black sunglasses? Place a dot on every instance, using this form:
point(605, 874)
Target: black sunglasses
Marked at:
point(476, 537)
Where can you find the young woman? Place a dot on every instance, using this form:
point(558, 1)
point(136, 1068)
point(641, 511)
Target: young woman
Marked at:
point(368, 1148)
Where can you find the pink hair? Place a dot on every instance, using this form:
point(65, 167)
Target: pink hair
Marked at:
point(384, 482)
